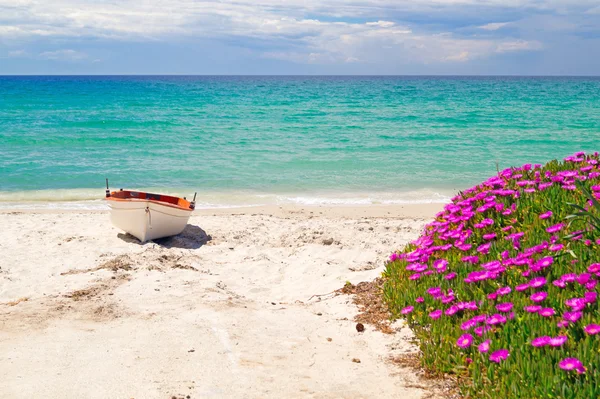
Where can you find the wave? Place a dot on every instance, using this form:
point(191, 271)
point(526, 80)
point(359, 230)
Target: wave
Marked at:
point(92, 199)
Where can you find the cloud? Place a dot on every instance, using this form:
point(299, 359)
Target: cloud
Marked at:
point(62, 55)
point(18, 54)
point(518, 45)
point(299, 31)
point(494, 25)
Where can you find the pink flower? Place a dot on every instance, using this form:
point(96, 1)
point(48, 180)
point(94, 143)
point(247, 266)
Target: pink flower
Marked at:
point(592, 329)
point(407, 310)
point(546, 312)
point(594, 268)
point(489, 236)
point(496, 319)
point(572, 317)
point(555, 228)
point(544, 262)
point(575, 303)
point(497, 356)
point(546, 215)
point(504, 307)
point(503, 291)
point(484, 249)
point(464, 341)
point(532, 308)
point(558, 341)
point(436, 314)
point(540, 341)
point(450, 276)
point(537, 282)
point(522, 287)
point(440, 265)
point(572, 363)
point(484, 346)
point(452, 310)
point(420, 300)
point(538, 296)
point(590, 297)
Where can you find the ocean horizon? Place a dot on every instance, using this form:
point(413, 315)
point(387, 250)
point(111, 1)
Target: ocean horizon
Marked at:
point(281, 139)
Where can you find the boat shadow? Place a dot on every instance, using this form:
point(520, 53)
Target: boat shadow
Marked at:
point(192, 237)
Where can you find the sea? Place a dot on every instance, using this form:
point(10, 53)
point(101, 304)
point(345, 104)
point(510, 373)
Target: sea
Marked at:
point(274, 140)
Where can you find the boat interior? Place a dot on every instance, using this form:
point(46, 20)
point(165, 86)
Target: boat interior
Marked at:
point(166, 199)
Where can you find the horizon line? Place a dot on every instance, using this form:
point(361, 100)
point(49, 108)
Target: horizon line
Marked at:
point(300, 75)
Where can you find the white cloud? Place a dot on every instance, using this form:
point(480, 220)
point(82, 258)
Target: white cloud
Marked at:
point(63, 55)
point(494, 25)
point(297, 27)
point(18, 54)
point(518, 45)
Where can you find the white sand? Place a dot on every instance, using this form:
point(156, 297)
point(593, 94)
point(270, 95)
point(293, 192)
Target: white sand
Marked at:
point(226, 318)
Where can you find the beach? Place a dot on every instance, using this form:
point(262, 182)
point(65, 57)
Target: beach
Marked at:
point(241, 304)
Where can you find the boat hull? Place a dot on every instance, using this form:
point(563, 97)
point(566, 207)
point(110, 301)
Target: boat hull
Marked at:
point(148, 220)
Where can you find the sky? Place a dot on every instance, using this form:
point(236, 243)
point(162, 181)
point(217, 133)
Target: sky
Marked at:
point(271, 37)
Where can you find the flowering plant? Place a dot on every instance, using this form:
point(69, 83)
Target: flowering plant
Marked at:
point(502, 288)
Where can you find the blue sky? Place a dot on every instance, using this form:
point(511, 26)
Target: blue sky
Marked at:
point(512, 37)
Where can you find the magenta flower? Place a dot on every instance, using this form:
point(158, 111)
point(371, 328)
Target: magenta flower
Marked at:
point(546, 215)
point(496, 319)
point(584, 278)
point(504, 307)
point(407, 310)
point(558, 341)
point(484, 346)
point(503, 291)
point(532, 308)
point(464, 341)
point(544, 262)
point(562, 324)
point(450, 276)
point(415, 276)
point(556, 228)
point(575, 303)
point(559, 283)
point(440, 265)
point(572, 363)
point(499, 355)
point(538, 296)
point(537, 282)
point(467, 325)
point(489, 236)
point(594, 268)
point(484, 249)
point(572, 317)
point(540, 341)
point(452, 310)
point(592, 329)
point(590, 297)
point(522, 287)
point(546, 312)
point(436, 314)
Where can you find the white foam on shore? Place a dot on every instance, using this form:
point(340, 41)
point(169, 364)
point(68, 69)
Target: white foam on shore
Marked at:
point(87, 199)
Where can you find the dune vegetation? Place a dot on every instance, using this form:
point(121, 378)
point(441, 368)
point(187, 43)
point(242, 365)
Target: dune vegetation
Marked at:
point(501, 288)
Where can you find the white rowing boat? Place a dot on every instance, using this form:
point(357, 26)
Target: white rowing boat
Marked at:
point(148, 216)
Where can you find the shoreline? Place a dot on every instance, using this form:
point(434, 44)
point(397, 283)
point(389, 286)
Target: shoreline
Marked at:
point(348, 211)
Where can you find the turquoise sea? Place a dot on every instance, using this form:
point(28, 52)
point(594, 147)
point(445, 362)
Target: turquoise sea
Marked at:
point(271, 140)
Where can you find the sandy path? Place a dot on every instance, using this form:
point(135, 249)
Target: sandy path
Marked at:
point(221, 311)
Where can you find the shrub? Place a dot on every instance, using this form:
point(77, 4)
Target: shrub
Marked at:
point(502, 286)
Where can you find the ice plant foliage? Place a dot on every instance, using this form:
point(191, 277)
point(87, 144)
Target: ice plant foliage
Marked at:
point(508, 278)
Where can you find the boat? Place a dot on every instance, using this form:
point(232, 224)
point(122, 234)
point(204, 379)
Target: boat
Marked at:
point(148, 216)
